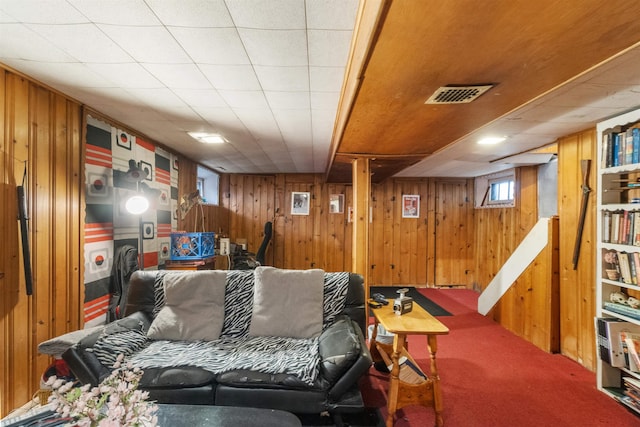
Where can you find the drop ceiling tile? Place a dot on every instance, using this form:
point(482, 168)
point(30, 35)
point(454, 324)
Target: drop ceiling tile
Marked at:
point(557, 114)
point(329, 48)
point(46, 12)
point(275, 47)
point(201, 97)
point(192, 125)
point(126, 75)
point(288, 100)
point(303, 159)
point(293, 121)
point(593, 95)
point(325, 100)
point(93, 46)
point(112, 96)
point(321, 133)
point(158, 98)
point(180, 114)
point(244, 98)
point(179, 76)
point(215, 116)
point(141, 113)
point(135, 13)
point(198, 13)
point(231, 77)
point(6, 18)
point(147, 44)
point(556, 129)
point(332, 14)
point(623, 70)
point(24, 44)
point(268, 14)
point(283, 78)
point(70, 74)
point(211, 45)
point(326, 79)
point(271, 143)
point(257, 118)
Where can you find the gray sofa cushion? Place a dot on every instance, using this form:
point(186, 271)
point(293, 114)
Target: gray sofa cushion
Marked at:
point(287, 303)
point(194, 307)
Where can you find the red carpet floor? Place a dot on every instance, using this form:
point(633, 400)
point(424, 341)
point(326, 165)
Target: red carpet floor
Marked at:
point(490, 377)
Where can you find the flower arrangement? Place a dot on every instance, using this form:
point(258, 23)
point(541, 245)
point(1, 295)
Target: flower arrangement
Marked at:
point(115, 402)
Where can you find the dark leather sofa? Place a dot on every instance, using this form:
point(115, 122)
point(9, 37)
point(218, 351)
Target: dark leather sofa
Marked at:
point(344, 358)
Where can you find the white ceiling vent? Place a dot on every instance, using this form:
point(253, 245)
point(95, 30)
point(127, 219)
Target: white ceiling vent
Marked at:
point(457, 94)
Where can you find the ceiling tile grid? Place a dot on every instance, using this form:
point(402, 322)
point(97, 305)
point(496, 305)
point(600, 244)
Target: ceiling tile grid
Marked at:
point(266, 73)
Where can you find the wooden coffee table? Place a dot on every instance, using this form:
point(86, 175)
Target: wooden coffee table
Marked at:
point(407, 387)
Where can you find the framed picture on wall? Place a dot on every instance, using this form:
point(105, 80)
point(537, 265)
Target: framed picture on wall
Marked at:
point(300, 201)
point(336, 203)
point(410, 206)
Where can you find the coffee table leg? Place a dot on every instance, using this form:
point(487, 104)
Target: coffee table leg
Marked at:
point(437, 395)
point(394, 382)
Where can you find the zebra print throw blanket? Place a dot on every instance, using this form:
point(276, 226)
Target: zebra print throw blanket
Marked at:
point(271, 355)
point(235, 349)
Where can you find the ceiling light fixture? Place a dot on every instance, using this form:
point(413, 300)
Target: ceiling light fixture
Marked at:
point(491, 140)
point(208, 138)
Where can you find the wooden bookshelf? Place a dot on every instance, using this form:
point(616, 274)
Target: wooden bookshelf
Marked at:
point(618, 251)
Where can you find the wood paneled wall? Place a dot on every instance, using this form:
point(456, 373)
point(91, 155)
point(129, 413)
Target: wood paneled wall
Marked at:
point(41, 130)
point(577, 287)
point(318, 240)
point(402, 250)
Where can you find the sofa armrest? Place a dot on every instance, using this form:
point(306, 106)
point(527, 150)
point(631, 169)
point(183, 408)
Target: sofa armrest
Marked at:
point(84, 364)
point(358, 368)
point(341, 347)
point(58, 345)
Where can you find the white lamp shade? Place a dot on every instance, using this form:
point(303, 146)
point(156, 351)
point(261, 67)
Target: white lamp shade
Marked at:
point(137, 204)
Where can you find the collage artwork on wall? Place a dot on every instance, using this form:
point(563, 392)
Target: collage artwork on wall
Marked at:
point(108, 226)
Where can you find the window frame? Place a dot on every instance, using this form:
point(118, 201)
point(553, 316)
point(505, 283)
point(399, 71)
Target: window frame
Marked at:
point(483, 185)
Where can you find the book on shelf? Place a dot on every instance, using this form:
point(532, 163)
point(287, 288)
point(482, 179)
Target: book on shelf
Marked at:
point(632, 342)
point(628, 147)
point(606, 226)
point(631, 391)
point(615, 226)
point(609, 332)
point(625, 310)
point(632, 383)
point(636, 261)
point(625, 268)
point(621, 227)
point(621, 266)
point(610, 264)
point(620, 146)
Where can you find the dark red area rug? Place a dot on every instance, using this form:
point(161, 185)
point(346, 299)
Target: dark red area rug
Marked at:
point(491, 377)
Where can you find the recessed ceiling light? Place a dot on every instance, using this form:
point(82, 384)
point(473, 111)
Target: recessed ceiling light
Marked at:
point(208, 138)
point(491, 140)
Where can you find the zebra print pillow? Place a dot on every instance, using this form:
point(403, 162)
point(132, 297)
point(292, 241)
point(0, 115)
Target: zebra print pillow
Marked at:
point(158, 293)
point(238, 303)
point(336, 286)
point(109, 346)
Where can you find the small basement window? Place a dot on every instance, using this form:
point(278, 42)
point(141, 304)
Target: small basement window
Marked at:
point(208, 183)
point(495, 190)
point(501, 190)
